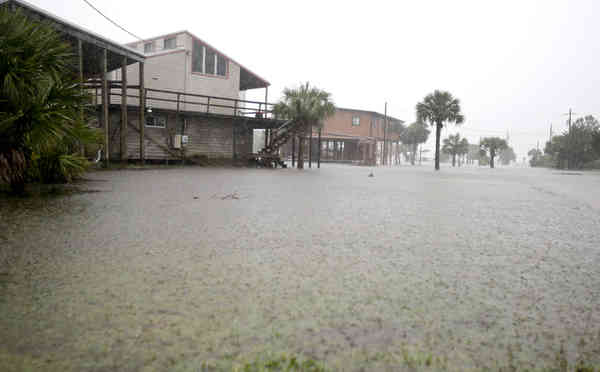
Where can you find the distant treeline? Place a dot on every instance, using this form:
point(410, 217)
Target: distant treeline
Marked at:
point(576, 148)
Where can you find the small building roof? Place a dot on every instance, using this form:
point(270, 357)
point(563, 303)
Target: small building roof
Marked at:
point(371, 113)
point(93, 44)
point(248, 79)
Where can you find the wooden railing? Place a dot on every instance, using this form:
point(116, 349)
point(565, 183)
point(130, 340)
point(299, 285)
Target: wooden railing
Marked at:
point(180, 101)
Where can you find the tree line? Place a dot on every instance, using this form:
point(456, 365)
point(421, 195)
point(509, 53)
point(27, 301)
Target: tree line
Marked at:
point(575, 148)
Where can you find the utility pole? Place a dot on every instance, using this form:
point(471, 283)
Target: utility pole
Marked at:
point(570, 143)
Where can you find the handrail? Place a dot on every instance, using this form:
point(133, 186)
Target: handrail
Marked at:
point(239, 107)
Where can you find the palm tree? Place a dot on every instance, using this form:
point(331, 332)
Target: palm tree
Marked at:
point(438, 108)
point(493, 145)
point(413, 135)
point(454, 145)
point(309, 107)
point(40, 101)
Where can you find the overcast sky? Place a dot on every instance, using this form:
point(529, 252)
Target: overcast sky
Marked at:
point(515, 65)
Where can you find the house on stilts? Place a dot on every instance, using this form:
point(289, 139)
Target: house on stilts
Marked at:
point(172, 97)
point(353, 136)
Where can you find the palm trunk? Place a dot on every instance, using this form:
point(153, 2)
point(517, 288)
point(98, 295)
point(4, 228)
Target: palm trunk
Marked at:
point(453, 160)
point(301, 139)
point(414, 154)
point(492, 155)
point(438, 134)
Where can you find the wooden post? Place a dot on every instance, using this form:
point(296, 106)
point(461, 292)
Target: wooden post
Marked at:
point(182, 129)
point(266, 137)
point(233, 140)
point(293, 151)
point(266, 99)
point(310, 148)
point(105, 98)
point(81, 117)
point(124, 110)
point(320, 147)
point(208, 105)
point(142, 113)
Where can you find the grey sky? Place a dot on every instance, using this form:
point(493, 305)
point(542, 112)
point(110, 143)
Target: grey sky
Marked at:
point(515, 65)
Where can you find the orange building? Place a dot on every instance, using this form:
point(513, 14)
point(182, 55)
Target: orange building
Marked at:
point(358, 136)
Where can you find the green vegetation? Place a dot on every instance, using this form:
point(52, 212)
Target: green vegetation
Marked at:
point(307, 105)
point(41, 119)
point(507, 156)
point(455, 146)
point(492, 146)
point(577, 149)
point(412, 136)
point(438, 108)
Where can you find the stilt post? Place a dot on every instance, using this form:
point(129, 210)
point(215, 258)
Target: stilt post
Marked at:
point(293, 151)
point(310, 147)
point(320, 148)
point(142, 113)
point(124, 119)
point(105, 98)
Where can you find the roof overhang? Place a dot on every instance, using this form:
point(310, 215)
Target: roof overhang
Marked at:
point(93, 44)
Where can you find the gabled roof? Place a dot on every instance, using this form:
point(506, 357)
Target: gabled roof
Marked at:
point(374, 113)
point(248, 79)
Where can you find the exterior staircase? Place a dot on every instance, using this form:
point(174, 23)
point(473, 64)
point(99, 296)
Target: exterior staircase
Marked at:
point(269, 156)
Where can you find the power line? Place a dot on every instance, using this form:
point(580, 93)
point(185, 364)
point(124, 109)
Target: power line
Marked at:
point(111, 21)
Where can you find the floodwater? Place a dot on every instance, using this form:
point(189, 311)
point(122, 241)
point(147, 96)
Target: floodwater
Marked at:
point(168, 269)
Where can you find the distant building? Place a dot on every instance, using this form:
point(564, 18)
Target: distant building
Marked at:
point(357, 136)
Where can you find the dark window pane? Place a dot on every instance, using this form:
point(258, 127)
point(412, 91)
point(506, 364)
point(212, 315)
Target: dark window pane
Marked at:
point(221, 66)
point(170, 43)
point(210, 61)
point(197, 57)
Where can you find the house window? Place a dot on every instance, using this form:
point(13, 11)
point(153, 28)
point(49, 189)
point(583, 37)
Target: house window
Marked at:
point(198, 57)
point(210, 61)
point(148, 47)
point(221, 65)
point(156, 121)
point(170, 43)
point(356, 120)
point(207, 61)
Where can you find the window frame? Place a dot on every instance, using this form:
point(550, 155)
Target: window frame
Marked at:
point(165, 40)
point(216, 56)
point(355, 123)
point(154, 117)
point(151, 44)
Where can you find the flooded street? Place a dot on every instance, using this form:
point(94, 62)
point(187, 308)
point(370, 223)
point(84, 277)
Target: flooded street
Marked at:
point(167, 269)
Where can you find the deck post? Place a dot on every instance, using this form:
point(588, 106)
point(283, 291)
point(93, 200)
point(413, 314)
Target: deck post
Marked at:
point(320, 147)
point(105, 98)
point(182, 129)
point(310, 147)
point(266, 137)
point(293, 151)
point(142, 112)
point(266, 100)
point(233, 140)
point(81, 116)
point(124, 110)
